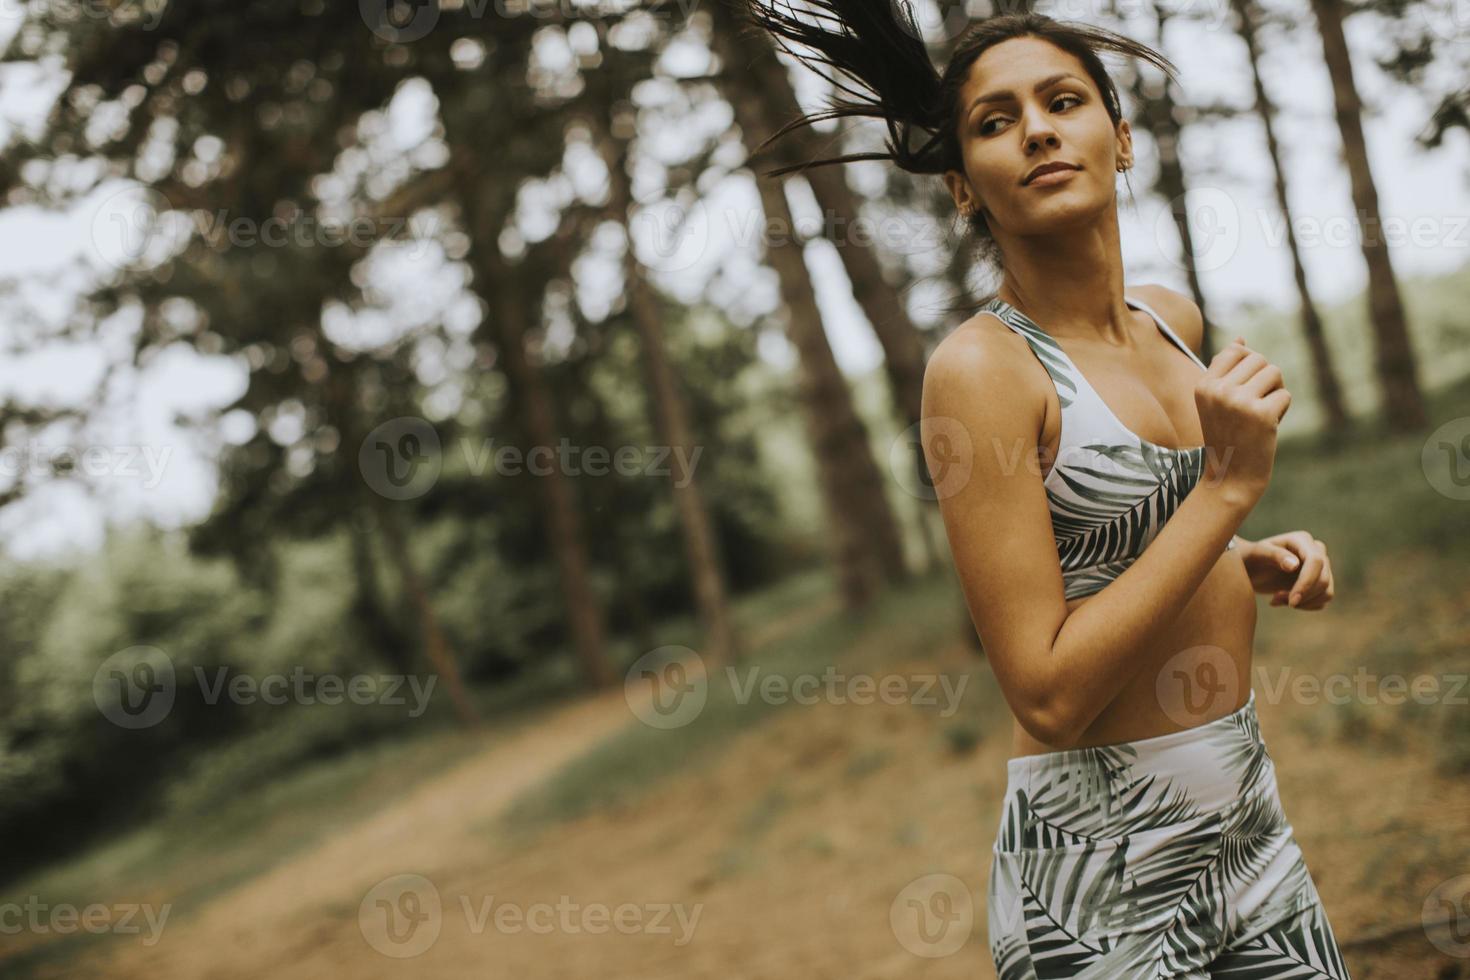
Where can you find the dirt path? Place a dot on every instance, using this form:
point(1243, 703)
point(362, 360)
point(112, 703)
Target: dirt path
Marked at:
point(796, 852)
point(434, 826)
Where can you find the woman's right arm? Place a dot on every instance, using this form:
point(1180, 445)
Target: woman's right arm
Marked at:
point(1059, 670)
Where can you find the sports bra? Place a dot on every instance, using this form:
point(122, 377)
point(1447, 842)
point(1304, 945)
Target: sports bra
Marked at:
point(1109, 490)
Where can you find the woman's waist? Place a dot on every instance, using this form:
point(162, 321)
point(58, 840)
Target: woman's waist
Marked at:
point(1178, 689)
point(1195, 671)
point(1196, 780)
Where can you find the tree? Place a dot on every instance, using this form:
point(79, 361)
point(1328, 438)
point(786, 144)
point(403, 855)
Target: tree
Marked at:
point(1403, 404)
point(1329, 391)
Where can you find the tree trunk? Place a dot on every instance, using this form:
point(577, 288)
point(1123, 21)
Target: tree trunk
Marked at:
point(565, 535)
point(867, 540)
point(342, 403)
point(671, 418)
point(763, 99)
point(436, 646)
point(1403, 404)
point(368, 612)
point(863, 531)
point(761, 74)
point(1158, 113)
point(1329, 391)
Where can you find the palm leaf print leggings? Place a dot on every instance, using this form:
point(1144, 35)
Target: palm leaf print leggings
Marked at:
point(1162, 857)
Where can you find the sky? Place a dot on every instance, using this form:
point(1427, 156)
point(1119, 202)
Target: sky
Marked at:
point(155, 469)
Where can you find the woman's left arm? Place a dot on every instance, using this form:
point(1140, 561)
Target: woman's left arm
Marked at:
point(1292, 567)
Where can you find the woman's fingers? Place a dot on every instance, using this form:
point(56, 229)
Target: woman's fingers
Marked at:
point(1247, 367)
point(1224, 361)
point(1278, 402)
point(1313, 579)
point(1265, 381)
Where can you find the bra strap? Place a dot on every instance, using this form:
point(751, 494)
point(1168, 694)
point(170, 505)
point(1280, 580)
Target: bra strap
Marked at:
point(1168, 330)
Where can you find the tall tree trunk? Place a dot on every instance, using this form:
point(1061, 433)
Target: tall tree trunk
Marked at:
point(671, 418)
point(342, 402)
point(565, 533)
point(496, 285)
point(436, 645)
point(379, 630)
point(1329, 391)
point(860, 522)
point(765, 101)
point(1403, 404)
point(852, 482)
point(751, 63)
point(1157, 110)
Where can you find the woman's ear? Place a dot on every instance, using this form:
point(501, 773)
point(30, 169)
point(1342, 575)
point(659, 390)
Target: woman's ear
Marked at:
point(959, 188)
point(1125, 145)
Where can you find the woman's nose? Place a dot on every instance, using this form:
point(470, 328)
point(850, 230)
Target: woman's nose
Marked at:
point(1041, 135)
point(1039, 131)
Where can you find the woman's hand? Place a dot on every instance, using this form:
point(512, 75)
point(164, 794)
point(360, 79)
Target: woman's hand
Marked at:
point(1241, 399)
point(1293, 567)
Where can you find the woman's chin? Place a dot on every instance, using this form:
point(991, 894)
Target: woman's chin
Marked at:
point(1060, 212)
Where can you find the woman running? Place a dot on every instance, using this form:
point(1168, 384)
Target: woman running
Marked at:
point(1095, 473)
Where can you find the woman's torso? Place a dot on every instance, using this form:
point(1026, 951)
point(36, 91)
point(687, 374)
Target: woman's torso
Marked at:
point(1198, 669)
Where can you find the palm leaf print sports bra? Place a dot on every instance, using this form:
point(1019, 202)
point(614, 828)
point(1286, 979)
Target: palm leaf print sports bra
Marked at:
point(1110, 490)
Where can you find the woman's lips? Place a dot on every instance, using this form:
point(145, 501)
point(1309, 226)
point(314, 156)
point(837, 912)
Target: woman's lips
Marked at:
point(1052, 177)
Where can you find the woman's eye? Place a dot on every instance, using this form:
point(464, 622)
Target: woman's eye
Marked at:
point(985, 129)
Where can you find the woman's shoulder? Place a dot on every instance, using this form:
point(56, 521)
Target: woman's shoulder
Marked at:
point(982, 362)
point(1178, 310)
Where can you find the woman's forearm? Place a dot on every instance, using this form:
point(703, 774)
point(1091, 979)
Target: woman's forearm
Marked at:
point(1094, 655)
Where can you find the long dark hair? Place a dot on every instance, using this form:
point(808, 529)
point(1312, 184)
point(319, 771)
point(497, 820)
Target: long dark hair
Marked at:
point(884, 72)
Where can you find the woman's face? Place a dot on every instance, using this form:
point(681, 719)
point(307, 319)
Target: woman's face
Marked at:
point(1008, 126)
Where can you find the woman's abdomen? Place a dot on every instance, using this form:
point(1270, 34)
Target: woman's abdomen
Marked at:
point(1198, 670)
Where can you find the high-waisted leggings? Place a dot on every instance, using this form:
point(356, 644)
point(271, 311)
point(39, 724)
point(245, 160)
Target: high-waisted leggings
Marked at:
point(1162, 857)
